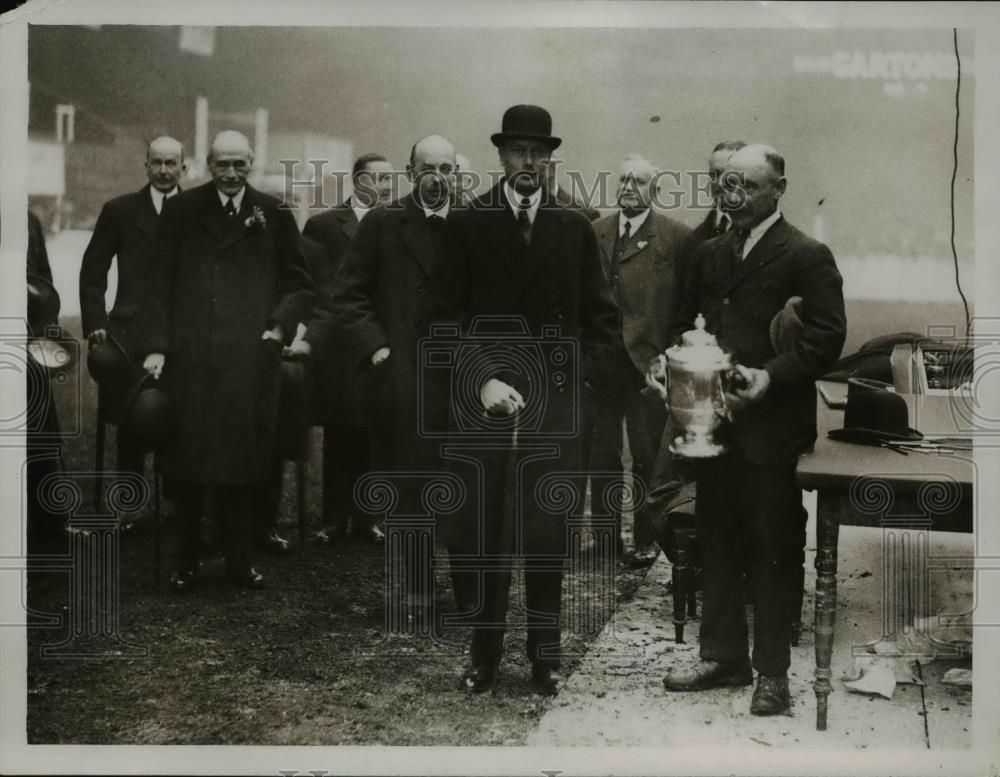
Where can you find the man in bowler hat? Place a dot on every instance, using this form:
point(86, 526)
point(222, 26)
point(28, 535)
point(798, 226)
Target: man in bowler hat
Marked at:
point(228, 285)
point(534, 267)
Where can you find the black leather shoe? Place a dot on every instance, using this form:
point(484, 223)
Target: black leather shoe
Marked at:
point(709, 674)
point(248, 578)
point(274, 543)
point(771, 696)
point(545, 681)
point(182, 582)
point(478, 679)
point(371, 534)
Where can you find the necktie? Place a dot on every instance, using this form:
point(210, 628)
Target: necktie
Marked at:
point(739, 239)
point(725, 222)
point(524, 220)
point(435, 222)
point(623, 238)
point(230, 208)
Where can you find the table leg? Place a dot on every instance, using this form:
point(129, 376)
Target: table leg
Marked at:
point(827, 529)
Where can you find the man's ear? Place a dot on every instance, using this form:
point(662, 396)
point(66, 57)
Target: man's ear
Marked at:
point(409, 173)
point(782, 185)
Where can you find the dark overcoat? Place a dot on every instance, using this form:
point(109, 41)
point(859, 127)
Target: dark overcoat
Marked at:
point(339, 380)
point(388, 292)
point(739, 299)
point(217, 284)
point(648, 276)
point(553, 328)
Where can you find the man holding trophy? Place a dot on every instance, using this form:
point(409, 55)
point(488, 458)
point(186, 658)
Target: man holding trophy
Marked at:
point(749, 506)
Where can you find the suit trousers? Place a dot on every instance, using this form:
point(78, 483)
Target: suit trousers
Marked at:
point(235, 507)
point(483, 561)
point(749, 516)
point(645, 418)
point(346, 457)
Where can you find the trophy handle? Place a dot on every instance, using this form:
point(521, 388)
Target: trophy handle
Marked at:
point(658, 367)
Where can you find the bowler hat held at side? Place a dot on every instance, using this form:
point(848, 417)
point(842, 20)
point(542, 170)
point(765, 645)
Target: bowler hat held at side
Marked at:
point(874, 414)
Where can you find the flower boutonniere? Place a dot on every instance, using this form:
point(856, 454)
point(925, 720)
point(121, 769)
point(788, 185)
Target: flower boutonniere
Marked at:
point(256, 220)
point(641, 244)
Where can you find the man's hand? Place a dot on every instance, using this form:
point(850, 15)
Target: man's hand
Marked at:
point(754, 382)
point(380, 356)
point(153, 364)
point(97, 337)
point(500, 399)
point(275, 333)
point(299, 348)
point(656, 375)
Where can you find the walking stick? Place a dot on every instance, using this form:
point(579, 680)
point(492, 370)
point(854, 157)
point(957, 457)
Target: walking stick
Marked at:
point(99, 463)
point(156, 517)
point(300, 484)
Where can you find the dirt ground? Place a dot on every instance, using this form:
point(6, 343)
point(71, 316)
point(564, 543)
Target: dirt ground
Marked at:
point(307, 661)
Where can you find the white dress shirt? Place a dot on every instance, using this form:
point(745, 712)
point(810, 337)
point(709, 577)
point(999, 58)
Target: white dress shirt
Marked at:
point(159, 197)
point(359, 212)
point(758, 232)
point(237, 198)
point(442, 211)
point(515, 200)
point(635, 221)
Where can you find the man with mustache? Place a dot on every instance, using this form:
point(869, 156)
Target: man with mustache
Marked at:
point(228, 284)
point(749, 506)
point(124, 232)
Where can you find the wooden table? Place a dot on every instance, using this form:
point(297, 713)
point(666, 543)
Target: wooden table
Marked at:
point(861, 485)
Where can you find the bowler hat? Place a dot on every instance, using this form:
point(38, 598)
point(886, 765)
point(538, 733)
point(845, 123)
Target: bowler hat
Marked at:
point(786, 326)
point(43, 302)
point(526, 121)
point(874, 415)
point(146, 413)
point(294, 410)
point(109, 365)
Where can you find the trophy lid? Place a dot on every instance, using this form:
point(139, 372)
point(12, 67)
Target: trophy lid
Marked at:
point(699, 349)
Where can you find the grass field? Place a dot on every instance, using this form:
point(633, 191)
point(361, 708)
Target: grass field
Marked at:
point(307, 661)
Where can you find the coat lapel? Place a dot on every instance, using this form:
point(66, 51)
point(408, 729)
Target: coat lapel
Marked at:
point(416, 234)
point(644, 236)
point(238, 230)
point(606, 241)
point(765, 251)
point(211, 215)
point(144, 213)
point(348, 220)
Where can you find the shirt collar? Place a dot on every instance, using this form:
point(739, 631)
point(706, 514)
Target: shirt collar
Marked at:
point(442, 211)
point(636, 221)
point(720, 218)
point(159, 197)
point(237, 198)
point(359, 211)
point(757, 232)
point(515, 200)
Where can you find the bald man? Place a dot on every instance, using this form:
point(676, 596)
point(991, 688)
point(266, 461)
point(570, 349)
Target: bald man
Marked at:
point(387, 293)
point(749, 505)
point(227, 287)
point(641, 251)
point(124, 232)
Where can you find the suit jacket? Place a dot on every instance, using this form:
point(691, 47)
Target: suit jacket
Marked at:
point(556, 317)
point(738, 305)
point(334, 228)
point(388, 291)
point(216, 285)
point(124, 230)
point(340, 391)
point(706, 230)
point(566, 200)
point(646, 279)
